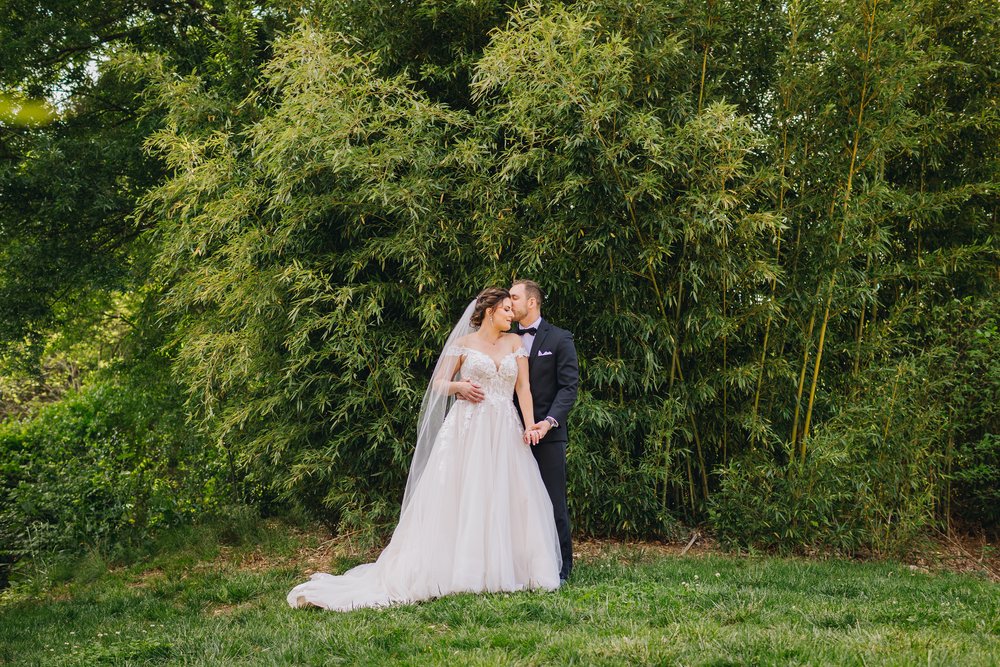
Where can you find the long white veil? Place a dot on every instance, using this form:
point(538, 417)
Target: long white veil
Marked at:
point(436, 402)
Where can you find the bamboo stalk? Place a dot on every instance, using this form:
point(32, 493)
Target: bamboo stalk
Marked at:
point(621, 390)
point(786, 101)
point(816, 366)
point(690, 483)
point(725, 343)
point(870, 17)
point(774, 281)
point(701, 457)
point(697, 442)
point(694, 426)
point(802, 378)
point(892, 403)
point(857, 342)
point(704, 66)
point(861, 327)
point(618, 341)
point(864, 306)
point(806, 350)
point(704, 60)
point(725, 384)
point(948, 455)
point(675, 361)
point(797, 246)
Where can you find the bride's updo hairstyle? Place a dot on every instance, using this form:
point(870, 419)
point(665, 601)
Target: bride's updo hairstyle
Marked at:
point(489, 298)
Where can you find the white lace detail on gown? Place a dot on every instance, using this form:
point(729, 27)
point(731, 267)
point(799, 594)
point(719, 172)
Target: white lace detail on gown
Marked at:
point(479, 520)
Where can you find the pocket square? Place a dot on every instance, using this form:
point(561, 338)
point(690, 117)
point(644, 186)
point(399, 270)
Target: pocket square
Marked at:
point(544, 353)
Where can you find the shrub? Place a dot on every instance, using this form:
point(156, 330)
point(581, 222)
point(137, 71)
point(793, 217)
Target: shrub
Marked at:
point(108, 463)
point(804, 505)
point(977, 480)
point(916, 433)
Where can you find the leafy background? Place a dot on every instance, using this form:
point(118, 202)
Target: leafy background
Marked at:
point(235, 241)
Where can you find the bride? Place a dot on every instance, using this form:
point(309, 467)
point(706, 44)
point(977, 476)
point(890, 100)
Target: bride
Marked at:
point(476, 516)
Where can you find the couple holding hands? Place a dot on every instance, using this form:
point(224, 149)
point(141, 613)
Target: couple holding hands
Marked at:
point(485, 503)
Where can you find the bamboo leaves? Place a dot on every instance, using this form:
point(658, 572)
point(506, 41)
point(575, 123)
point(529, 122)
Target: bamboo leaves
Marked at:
point(732, 213)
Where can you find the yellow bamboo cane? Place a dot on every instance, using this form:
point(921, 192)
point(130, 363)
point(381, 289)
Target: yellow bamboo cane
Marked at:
point(862, 103)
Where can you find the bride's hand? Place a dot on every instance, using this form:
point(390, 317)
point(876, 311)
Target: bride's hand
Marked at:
point(469, 391)
point(532, 436)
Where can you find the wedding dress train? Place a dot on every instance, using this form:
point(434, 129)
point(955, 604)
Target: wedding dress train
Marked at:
point(479, 518)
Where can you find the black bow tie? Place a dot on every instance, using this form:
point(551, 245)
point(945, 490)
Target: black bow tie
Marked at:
point(529, 330)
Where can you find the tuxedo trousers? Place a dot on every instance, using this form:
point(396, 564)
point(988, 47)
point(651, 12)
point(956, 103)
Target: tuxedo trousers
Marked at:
point(551, 459)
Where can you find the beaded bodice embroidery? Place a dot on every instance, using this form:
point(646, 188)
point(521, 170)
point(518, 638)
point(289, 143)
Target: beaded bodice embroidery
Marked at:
point(497, 380)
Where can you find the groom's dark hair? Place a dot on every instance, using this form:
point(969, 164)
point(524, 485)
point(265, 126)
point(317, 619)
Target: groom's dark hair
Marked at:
point(531, 289)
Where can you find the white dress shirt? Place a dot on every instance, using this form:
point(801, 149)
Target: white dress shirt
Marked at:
point(528, 339)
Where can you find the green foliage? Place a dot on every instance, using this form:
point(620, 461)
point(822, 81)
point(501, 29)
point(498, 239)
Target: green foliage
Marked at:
point(16, 110)
point(97, 333)
point(771, 226)
point(435, 43)
point(70, 186)
point(805, 506)
point(977, 480)
point(64, 232)
point(911, 438)
point(854, 492)
point(624, 207)
point(317, 238)
point(107, 464)
point(311, 258)
point(968, 402)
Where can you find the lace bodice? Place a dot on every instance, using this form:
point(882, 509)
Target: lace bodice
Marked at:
point(497, 380)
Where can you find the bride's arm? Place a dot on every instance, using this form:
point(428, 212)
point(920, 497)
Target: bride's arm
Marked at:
point(523, 390)
point(442, 379)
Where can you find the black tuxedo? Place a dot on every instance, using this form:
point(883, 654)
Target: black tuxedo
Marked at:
point(554, 377)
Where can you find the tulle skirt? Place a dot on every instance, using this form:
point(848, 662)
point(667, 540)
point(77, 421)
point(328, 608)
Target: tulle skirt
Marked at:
point(479, 520)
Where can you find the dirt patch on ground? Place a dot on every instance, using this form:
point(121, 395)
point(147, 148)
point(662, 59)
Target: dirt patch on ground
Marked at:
point(324, 552)
point(228, 609)
point(146, 578)
point(319, 558)
point(637, 551)
point(968, 553)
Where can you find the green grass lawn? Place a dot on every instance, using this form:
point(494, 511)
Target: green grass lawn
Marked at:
point(199, 603)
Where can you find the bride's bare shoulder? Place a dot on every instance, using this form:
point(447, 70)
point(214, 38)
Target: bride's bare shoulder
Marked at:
point(513, 340)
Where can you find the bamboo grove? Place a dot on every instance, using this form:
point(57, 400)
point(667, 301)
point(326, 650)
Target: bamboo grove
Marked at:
point(772, 227)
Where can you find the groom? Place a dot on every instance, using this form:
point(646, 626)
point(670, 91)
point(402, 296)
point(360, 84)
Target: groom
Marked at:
point(554, 377)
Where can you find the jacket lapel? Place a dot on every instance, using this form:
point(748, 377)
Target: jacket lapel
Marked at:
point(536, 345)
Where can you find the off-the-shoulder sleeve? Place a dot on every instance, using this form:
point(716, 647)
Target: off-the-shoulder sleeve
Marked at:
point(454, 351)
point(520, 351)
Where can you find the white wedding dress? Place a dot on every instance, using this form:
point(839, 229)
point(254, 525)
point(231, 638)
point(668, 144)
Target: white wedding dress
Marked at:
point(479, 518)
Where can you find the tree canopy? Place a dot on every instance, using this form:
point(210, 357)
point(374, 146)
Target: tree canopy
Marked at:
point(772, 228)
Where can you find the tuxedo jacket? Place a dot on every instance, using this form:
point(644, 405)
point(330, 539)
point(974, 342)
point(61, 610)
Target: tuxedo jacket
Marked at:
point(554, 377)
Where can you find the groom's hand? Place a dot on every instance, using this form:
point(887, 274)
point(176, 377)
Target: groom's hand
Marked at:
point(542, 427)
point(470, 391)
